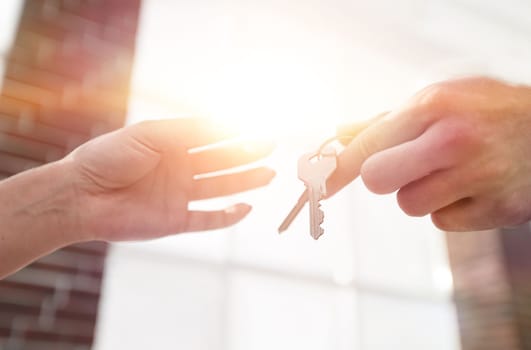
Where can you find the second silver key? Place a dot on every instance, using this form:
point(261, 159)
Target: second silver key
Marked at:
point(314, 171)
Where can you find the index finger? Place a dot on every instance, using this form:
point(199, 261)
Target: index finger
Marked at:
point(387, 131)
point(346, 132)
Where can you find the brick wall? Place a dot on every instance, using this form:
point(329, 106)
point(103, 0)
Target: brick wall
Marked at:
point(492, 280)
point(66, 81)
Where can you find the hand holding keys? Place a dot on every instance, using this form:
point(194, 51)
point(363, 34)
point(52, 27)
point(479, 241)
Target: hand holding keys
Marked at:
point(314, 170)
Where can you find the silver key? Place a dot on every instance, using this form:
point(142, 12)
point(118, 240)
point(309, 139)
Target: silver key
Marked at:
point(314, 171)
point(303, 199)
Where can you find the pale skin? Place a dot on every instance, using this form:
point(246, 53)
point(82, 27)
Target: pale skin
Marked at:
point(459, 151)
point(132, 184)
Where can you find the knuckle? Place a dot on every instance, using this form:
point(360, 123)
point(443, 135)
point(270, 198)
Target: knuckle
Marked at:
point(457, 137)
point(366, 147)
point(513, 211)
point(495, 170)
point(455, 134)
point(441, 94)
point(436, 96)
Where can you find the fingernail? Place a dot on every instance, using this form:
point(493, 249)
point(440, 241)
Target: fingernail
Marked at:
point(240, 208)
point(271, 173)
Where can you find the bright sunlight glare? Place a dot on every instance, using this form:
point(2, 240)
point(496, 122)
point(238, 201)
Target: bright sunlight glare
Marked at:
point(261, 97)
point(267, 98)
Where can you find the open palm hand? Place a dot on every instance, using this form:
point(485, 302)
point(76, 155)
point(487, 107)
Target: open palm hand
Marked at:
point(137, 182)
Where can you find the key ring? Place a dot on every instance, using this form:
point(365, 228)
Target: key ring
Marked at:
point(321, 151)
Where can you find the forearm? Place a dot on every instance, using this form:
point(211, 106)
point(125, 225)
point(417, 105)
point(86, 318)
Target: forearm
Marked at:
point(38, 214)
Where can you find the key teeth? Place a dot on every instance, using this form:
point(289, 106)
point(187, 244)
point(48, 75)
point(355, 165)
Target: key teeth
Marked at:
point(321, 232)
point(320, 214)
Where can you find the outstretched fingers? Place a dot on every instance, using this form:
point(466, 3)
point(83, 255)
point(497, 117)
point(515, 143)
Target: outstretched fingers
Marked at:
point(226, 156)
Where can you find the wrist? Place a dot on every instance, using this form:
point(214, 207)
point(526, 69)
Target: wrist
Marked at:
point(54, 202)
point(76, 197)
point(38, 214)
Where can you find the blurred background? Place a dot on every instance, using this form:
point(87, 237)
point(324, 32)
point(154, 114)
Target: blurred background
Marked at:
point(288, 70)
